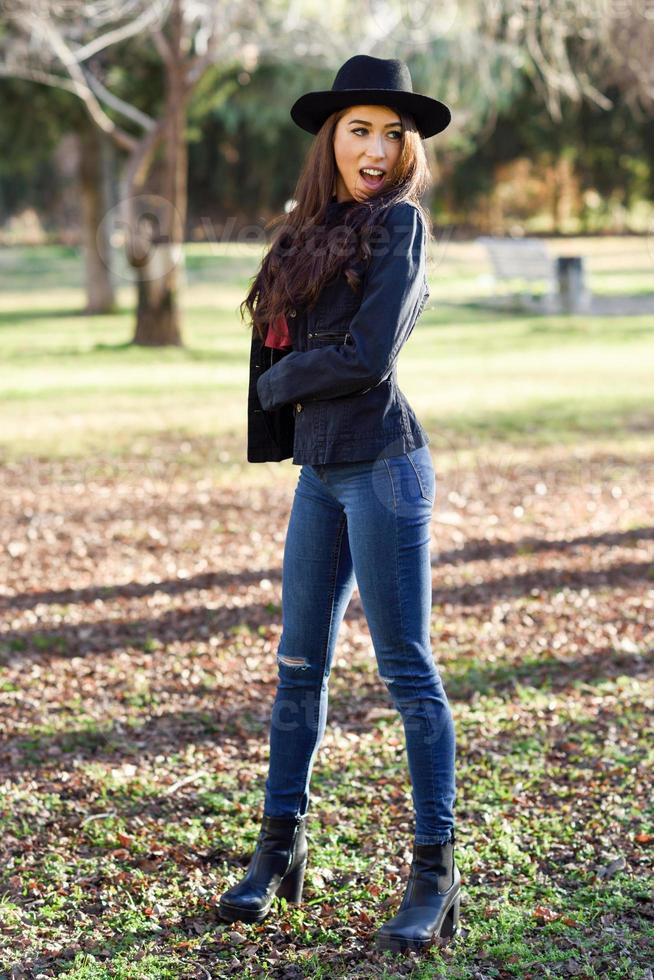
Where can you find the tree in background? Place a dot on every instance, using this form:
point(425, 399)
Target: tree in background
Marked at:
point(470, 54)
point(561, 84)
point(67, 44)
point(33, 121)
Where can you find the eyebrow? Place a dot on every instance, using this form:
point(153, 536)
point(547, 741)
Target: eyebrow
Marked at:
point(396, 123)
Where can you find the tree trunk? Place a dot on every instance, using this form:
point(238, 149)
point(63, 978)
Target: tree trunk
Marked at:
point(157, 312)
point(95, 233)
point(157, 321)
point(158, 315)
point(157, 252)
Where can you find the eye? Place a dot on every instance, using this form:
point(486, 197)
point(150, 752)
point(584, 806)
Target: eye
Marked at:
point(393, 132)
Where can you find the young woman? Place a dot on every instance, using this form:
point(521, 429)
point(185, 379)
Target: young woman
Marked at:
point(337, 296)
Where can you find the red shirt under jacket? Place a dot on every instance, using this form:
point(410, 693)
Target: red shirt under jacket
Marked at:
point(278, 334)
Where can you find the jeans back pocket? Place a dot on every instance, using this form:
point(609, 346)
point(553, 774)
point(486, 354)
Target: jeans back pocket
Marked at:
point(420, 460)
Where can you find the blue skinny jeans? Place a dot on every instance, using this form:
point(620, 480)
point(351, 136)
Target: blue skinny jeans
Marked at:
point(365, 524)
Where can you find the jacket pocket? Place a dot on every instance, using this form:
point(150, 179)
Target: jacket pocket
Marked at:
point(318, 338)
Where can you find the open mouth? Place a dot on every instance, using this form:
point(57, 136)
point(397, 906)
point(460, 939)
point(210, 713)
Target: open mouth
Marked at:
point(372, 177)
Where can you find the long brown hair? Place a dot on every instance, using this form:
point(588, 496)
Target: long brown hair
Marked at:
point(305, 252)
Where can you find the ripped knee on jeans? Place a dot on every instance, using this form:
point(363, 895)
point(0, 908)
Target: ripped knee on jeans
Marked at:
point(293, 661)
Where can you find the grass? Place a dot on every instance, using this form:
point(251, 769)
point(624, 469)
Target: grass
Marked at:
point(72, 385)
point(140, 561)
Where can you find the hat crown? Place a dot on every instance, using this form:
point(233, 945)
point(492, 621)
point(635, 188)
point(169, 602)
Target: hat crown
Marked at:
point(363, 71)
point(366, 80)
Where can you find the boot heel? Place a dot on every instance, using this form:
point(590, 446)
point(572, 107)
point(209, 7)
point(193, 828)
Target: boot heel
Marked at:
point(451, 921)
point(292, 885)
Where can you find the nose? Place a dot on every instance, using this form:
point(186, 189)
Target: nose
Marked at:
point(375, 150)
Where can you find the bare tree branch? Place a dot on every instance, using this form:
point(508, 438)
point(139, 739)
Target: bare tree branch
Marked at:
point(47, 31)
point(139, 160)
point(154, 13)
point(162, 46)
point(37, 75)
point(125, 109)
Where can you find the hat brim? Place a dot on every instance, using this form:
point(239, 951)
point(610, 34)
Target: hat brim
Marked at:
point(311, 110)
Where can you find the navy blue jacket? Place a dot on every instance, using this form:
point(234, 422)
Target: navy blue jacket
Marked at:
point(334, 397)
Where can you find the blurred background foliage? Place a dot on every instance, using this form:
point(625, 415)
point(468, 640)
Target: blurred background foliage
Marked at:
point(590, 171)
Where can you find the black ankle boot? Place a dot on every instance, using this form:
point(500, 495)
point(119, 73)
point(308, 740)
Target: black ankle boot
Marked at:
point(276, 868)
point(430, 906)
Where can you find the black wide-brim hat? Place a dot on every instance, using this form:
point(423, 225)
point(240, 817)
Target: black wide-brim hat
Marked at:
point(364, 80)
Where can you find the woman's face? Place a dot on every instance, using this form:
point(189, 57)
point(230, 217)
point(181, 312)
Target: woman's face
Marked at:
point(367, 136)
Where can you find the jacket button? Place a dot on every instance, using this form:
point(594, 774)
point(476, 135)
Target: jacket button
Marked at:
point(292, 313)
point(298, 407)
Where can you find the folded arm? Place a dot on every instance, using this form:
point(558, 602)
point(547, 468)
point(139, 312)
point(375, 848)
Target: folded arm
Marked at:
point(393, 296)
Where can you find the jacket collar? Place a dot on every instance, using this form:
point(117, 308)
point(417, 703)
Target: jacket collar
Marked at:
point(336, 208)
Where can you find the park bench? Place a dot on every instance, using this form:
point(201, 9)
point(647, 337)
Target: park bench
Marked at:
point(521, 260)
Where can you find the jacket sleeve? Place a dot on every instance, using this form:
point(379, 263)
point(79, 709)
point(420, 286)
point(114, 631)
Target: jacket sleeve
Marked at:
point(393, 296)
